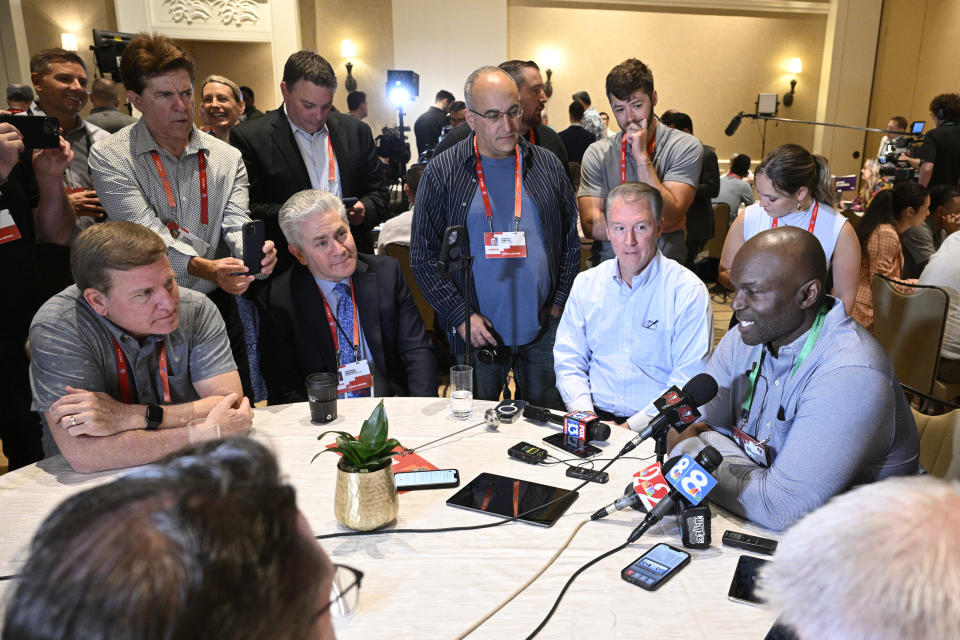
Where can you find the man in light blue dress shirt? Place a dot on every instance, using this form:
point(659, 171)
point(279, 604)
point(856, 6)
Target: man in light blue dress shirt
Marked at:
point(635, 324)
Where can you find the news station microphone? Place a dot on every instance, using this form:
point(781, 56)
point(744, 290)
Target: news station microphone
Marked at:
point(689, 478)
point(647, 489)
point(734, 124)
point(677, 407)
point(595, 430)
point(695, 526)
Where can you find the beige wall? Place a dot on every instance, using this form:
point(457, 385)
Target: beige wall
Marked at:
point(45, 20)
point(245, 63)
point(706, 64)
point(916, 60)
point(369, 25)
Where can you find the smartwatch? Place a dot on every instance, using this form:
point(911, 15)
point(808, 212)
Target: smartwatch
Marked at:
point(154, 416)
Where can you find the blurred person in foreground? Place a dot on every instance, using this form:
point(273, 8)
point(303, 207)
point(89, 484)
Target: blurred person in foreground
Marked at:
point(878, 563)
point(207, 543)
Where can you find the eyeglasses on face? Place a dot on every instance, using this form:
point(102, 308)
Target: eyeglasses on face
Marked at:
point(345, 591)
point(493, 117)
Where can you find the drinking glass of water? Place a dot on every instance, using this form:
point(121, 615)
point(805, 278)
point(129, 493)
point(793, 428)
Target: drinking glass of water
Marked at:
point(461, 391)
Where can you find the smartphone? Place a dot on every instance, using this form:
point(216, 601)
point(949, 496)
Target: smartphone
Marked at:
point(39, 132)
point(349, 202)
point(437, 479)
point(254, 237)
point(579, 448)
point(655, 567)
point(744, 583)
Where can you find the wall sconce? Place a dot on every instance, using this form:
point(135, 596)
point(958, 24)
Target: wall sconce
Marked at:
point(68, 41)
point(347, 50)
point(548, 87)
point(795, 68)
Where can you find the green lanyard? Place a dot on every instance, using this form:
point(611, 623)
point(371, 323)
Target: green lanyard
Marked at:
point(804, 352)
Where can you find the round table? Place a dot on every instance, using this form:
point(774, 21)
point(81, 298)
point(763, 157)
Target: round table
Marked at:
point(435, 585)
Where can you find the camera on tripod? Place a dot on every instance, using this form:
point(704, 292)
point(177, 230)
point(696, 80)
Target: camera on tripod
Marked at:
point(890, 164)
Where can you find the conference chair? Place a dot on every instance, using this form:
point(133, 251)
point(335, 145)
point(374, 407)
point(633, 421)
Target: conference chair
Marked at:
point(401, 252)
point(721, 224)
point(939, 443)
point(909, 326)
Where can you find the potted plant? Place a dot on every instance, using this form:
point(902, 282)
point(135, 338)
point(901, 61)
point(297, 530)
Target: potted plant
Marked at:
point(365, 497)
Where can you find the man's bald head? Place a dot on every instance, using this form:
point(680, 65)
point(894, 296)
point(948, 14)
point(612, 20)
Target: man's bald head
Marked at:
point(779, 277)
point(491, 94)
point(797, 252)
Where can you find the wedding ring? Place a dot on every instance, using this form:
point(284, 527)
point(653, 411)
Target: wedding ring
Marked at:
point(73, 420)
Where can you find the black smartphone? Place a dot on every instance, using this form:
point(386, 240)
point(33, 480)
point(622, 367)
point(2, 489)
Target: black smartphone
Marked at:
point(579, 448)
point(39, 132)
point(744, 583)
point(349, 202)
point(655, 567)
point(436, 479)
point(254, 237)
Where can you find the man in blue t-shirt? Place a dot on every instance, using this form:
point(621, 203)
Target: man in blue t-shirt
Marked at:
point(521, 219)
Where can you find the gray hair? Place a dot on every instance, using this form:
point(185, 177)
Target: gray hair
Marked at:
point(223, 80)
point(303, 204)
point(472, 79)
point(879, 562)
point(635, 192)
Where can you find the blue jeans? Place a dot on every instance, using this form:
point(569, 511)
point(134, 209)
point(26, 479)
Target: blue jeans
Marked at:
point(532, 365)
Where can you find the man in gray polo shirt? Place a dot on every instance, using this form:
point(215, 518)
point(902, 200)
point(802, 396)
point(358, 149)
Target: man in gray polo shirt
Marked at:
point(107, 352)
point(645, 151)
point(809, 404)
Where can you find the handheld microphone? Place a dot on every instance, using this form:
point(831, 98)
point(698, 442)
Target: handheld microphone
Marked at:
point(695, 527)
point(677, 407)
point(593, 428)
point(691, 480)
point(734, 124)
point(648, 486)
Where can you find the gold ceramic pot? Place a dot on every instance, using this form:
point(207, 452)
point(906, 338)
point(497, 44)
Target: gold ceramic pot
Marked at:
point(365, 501)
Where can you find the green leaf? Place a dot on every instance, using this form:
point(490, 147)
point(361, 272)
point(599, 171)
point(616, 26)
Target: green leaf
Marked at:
point(342, 434)
point(374, 430)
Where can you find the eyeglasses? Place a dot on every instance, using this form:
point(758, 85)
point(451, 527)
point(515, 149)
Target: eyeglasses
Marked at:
point(492, 117)
point(345, 592)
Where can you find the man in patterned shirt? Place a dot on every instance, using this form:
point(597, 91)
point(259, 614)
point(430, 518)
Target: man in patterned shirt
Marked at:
point(189, 188)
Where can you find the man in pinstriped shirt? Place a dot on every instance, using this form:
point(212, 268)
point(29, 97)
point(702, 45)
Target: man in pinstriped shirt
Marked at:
point(189, 188)
point(525, 241)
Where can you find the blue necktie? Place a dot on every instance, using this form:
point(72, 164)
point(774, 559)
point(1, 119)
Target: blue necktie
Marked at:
point(345, 318)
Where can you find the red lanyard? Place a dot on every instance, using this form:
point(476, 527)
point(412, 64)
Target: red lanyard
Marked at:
point(532, 141)
point(124, 377)
point(623, 153)
point(331, 162)
point(813, 219)
point(332, 323)
point(517, 190)
point(171, 201)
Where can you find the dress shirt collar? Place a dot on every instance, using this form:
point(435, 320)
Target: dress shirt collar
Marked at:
point(327, 287)
point(641, 279)
point(795, 346)
point(143, 142)
point(298, 131)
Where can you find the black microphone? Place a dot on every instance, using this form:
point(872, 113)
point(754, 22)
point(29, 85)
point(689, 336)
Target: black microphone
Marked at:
point(695, 526)
point(630, 497)
point(678, 408)
point(734, 124)
point(708, 458)
point(596, 430)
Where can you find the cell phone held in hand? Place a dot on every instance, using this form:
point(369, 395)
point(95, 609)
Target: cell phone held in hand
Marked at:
point(348, 203)
point(39, 132)
point(254, 237)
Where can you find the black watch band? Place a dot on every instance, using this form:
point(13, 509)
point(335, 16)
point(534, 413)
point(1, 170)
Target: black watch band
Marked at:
point(154, 416)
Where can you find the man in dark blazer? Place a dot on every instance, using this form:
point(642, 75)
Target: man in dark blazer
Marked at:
point(300, 310)
point(287, 151)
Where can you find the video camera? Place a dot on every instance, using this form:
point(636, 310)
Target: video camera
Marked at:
point(890, 164)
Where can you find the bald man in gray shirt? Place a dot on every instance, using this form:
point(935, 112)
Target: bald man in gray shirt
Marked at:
point(808, 402)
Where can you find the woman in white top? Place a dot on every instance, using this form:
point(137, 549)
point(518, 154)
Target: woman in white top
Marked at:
point(796, 189)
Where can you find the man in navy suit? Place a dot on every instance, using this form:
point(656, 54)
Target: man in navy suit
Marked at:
point(289, 150)
point(337, 311)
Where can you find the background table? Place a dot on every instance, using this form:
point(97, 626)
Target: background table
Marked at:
point(435, 585)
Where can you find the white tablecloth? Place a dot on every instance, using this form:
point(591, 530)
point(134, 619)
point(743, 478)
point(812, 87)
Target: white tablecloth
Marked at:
point(435, 585)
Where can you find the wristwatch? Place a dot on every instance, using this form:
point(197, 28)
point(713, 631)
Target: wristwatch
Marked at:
point(154, 416)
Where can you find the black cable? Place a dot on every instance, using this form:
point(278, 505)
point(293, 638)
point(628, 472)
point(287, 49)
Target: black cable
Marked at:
point(10, 577)
point(563, 591)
